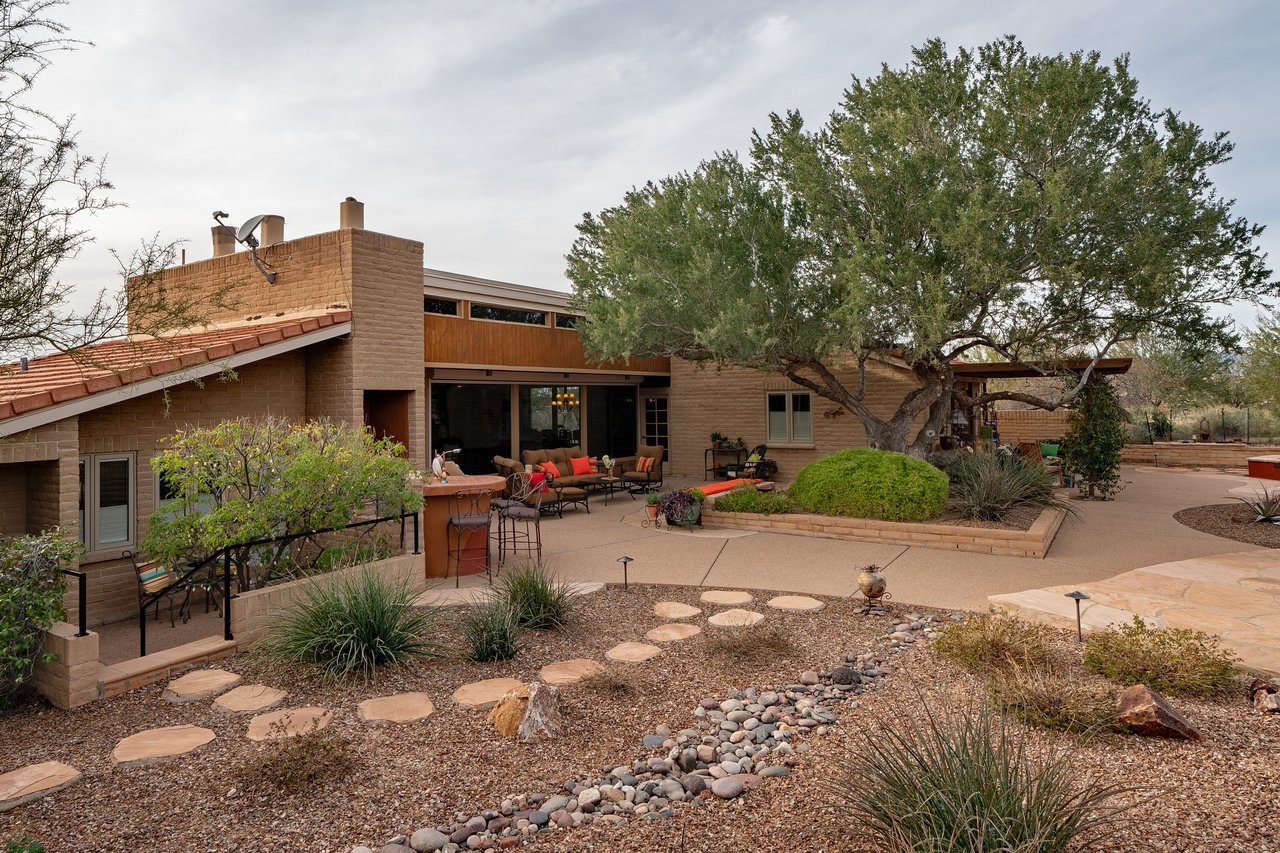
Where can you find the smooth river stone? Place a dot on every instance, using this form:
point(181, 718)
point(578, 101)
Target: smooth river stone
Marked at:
point(33, 782)
point(726, 596)
point(675, 610)
point(565, 672)
point(400, 708)
point(632, 652)
point(672, 631)
point(797, 603)
point(288, 723)
point(480, 695)
point(155, 745)
point(736, 618)
point(201, 684)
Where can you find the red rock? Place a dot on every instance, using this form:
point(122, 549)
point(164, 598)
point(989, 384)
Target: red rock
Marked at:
point(1145, 712)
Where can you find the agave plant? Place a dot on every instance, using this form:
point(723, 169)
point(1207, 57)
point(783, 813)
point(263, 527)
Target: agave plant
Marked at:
point(1265, 505)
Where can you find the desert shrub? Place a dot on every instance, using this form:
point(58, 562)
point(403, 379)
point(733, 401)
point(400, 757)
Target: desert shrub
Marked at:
point(536, 598)
point(1168, 660)
point(352, 625)
point(991, 644)
point(491, 632)
point(613, 681)
point(864, 483)
point(751, 499)
point(961, 780)
point(757, 644)
point(988, 484)
point(25, 844)
point(31, 590)
point(300, 763)
point(1052, 700)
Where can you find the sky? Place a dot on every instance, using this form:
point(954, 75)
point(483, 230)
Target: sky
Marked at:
point(487, 129)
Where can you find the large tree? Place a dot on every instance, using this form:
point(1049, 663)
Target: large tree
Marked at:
point(48, 186)
point(1035, 205)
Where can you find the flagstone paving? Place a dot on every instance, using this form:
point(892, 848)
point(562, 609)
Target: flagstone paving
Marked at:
point(564, 672)
point(736, 618)
point(675, 610)
point(796, 603)
point(200, 684)
point(155, 745)
point(400, 708)
point(34, 781)
point(288, 723)
point(480, 695)
point(672, 631)
point(632, 652)
point(250, 699)
point(726, 596)
point(1235, 595)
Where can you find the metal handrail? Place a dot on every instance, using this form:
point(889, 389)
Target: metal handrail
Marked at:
point(82, 581)
point(225, 553)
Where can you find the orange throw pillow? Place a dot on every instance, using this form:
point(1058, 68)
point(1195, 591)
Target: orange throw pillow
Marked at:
point(550, 468)
point(644, 464)
point(581, 465)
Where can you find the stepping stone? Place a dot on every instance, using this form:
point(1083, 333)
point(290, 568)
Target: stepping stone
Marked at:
point(672, 631)
point(726, 596)
point(565, 672)
point(201, 684)
point(675, 610)
point(34, 781)
point(156, 745)
point(736, 618)
point(632, 652)
point(480, 695)
point(288, 723)
point(796, 603)
point(250, 699)
point(400, 708)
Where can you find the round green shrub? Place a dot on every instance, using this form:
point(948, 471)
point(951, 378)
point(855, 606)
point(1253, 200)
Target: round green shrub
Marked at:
point(865, 483)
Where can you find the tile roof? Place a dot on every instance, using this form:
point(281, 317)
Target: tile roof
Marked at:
point(60, 377)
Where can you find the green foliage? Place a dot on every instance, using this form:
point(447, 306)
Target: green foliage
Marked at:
point(681, 506)
point(25, 844)
point(491, 632)
point(300, 763)
point(954, 780)
point(926, 218)
point(1095, 437)
point(990, 483)
point(352, 625)
point(1175, 661)
point(1052, 700)
point(31, 591)
point(995, 644)
point(538, 600)
point(751, 499)
point(652, 498)
point(246, 479)
point(1265, 505)
point(864, 483)
point(1261, 375)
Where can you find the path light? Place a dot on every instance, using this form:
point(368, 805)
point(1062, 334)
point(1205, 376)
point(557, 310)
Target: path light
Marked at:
point(1079, 597)
point(624, 559)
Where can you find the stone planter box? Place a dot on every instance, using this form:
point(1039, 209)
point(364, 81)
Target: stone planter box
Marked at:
point(1034, 542)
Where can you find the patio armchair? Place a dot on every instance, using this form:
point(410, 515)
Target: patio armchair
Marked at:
point(158, 583)
point(643, 472)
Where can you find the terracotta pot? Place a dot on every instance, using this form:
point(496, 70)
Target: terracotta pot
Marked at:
point(871, 582)
point(652, 509)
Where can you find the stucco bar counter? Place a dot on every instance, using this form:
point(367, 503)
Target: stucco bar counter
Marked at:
point(437, 504)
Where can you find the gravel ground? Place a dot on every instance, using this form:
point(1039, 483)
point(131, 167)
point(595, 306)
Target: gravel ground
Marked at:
point(1219, 795)
point(1231, 521)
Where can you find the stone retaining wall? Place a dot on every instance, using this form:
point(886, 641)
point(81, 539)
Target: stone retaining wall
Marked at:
point(1193, 455)
point(1034, 542)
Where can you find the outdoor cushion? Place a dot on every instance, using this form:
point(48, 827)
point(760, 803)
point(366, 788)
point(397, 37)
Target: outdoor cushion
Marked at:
point(153, 578)
point(469, 520)
point(534, 457)
point(644, 464)
point(519, 511)
point(581, 465)
point(551, 468)
point(539, 481)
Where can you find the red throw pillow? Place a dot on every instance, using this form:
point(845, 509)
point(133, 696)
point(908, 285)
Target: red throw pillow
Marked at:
point(550, 468)
point(581, 465)
point(538, 481)
point(644, 464)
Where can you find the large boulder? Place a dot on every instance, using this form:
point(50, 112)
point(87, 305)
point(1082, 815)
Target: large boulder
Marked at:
point(529, 715)
point(1145, 712)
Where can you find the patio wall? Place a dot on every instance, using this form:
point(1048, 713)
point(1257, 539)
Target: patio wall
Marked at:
point(1017, 425)
point(1190, 455)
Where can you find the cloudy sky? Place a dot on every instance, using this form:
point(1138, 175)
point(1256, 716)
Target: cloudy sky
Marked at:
point(486, 129)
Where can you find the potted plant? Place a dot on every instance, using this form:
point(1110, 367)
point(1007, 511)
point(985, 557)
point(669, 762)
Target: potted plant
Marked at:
point(682, 507)
point(717, 440)
point(651, 500)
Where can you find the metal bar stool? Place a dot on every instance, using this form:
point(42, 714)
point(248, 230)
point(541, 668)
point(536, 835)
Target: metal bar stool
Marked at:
point(524, 510)
point(466, 516)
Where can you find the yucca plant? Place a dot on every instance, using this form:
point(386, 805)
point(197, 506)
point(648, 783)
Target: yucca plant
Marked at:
point(1265, 505)
point(988, 484)
point(352, 625)
point(535, 596)
point(491, 632)
point(961, 780)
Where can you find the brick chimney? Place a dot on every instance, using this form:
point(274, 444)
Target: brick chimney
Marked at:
point(224, 240)
point(351, 213)
point(272, 230)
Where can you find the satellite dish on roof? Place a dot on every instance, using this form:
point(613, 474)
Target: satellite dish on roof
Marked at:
point(245, 235)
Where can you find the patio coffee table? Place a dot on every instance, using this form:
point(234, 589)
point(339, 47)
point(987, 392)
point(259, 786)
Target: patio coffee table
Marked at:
point(608, 485)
